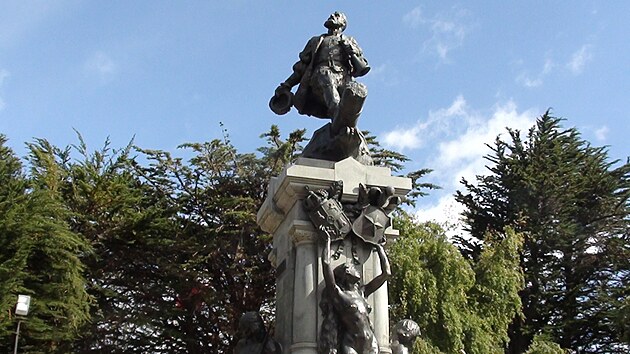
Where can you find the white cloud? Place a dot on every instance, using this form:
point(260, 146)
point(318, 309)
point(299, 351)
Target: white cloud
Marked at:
point(465, 151)
point(527, 80)
point(101, 65)
point(385, 74)
point(403, 138)
point(602, 133)
point(379, 70)
point(456, 138)
point(447, 31)
point(446, 211)
point(579, 59)
point(414, 17)
point(3, 75)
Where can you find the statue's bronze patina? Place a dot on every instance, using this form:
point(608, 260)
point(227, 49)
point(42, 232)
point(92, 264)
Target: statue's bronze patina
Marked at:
point(347, 327)
point(254, 338)
point(352, 231)
point(404, 336)
point(325, 74)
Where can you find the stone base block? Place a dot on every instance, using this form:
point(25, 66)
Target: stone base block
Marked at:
point(297, 251)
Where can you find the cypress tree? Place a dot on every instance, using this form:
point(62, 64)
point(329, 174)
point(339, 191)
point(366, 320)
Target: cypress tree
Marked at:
point(39, 256)
point(571, 204)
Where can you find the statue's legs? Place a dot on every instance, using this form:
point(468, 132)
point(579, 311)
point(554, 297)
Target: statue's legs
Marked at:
point(350, 107)
point(330, 83)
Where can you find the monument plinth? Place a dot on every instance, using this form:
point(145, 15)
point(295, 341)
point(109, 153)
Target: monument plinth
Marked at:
point(297, 247)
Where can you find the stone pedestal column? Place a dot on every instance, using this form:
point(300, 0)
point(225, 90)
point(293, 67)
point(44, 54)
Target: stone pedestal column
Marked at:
point(305, 290)
point(297, 251)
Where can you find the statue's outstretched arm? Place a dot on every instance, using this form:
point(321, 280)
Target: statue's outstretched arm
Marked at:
point(386, 272)
point(329, 276)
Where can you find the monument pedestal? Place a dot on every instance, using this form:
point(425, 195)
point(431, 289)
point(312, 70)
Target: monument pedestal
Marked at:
point(297, 250)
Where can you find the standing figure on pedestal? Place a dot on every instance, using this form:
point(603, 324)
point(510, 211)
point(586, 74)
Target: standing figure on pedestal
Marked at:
point(347, 328)
point(325, 73)
point(254, 338)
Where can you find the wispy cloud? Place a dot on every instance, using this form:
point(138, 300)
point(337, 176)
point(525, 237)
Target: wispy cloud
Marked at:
point(3, 75)
point(385, 74)
point(101, 65)
point(407, 138)
point(602, 133)
point(447, 30)
point(579, 59)
point(536, 80)
point(456, 138)
point(462, 155)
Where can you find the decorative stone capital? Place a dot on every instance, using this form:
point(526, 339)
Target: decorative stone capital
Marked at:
point(288, 188)
point(303, 231)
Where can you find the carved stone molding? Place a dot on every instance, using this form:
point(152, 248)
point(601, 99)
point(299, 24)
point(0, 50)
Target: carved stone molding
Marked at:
point(288, 188)
point(302, 231)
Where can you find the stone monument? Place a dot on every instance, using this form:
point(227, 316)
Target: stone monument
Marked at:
point(328, 211)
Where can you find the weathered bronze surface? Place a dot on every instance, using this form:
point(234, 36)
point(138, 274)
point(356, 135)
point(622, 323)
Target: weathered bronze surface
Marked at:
point(325, 76)
point(404, 335)
point(346, 326)
point(254, 337)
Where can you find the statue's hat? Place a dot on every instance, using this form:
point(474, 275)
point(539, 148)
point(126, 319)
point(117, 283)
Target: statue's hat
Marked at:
point(281, 102)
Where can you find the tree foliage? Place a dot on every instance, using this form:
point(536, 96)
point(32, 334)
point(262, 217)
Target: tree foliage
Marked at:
point(571, 204)
point(39, 257)
point(163, 253)
point(542, 345)
point(457, 305)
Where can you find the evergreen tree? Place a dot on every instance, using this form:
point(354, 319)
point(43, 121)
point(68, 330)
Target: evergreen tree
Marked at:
point(542, 345)
point(130, 268)
point(458, 306)
point(39, 256)
point(571, 204)
point(396, 162)
point(172, 252)
point(178, 256)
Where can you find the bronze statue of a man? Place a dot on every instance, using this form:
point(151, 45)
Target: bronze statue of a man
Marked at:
point(326, 66)
point(325, 74)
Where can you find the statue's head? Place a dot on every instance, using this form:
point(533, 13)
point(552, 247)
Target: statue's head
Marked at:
point(347, 275)
point(337, 20)
point(406, 331)
point(251, 325)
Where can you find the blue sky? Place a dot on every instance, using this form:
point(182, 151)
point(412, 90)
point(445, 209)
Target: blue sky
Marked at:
point(446, 77)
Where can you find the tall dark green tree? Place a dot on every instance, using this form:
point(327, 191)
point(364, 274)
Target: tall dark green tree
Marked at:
point(178, 256)
point(177, 252)
point(571, 204)
point(39, 256)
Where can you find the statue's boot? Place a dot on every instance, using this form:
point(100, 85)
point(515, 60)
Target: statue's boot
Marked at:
point(350, 107)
